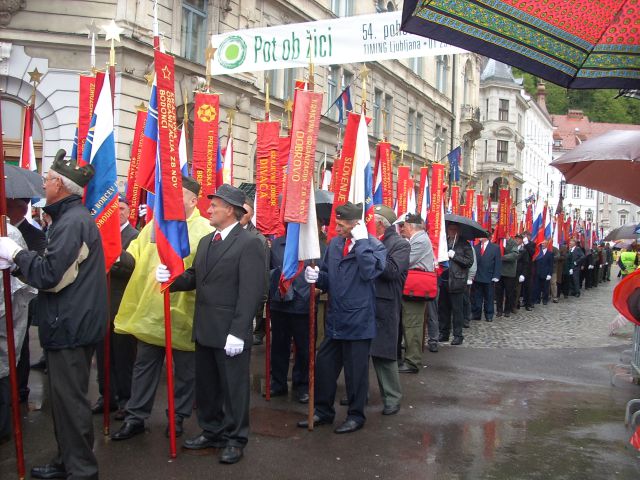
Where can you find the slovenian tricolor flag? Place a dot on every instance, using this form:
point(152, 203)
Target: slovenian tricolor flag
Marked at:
point(377, 185)
point(344, 102)
point(361, 178)
point(101, 196)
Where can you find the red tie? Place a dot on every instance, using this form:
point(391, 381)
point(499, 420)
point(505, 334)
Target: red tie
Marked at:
point(484, 245)
point(345, 250)
point(216, 238)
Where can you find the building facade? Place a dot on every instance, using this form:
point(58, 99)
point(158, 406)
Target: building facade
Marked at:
point(427, 105)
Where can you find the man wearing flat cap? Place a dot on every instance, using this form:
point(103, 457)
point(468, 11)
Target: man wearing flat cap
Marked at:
point(352, 262)
point(141, 315)
point(227, 277)
point(72, 309)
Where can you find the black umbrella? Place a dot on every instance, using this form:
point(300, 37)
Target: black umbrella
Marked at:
point(469, 229)
point(324, 203)
point(23, 183)
point(623, 233)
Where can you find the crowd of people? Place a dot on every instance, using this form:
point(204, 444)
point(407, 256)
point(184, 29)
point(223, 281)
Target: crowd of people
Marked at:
point(218, 305)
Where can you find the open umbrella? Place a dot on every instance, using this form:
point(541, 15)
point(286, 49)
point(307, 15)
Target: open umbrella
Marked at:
point(573, 43)
point(469, 229)
point(609, 163)
point(623, 233)
point(22, 183)
point(324, 202)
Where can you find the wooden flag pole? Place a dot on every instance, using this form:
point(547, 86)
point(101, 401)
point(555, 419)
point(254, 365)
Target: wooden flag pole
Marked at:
point(312, 351)
point(8, 308)
point(169, 361)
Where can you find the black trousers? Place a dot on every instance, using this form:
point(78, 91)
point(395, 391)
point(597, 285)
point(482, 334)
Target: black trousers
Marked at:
point(567, 284)
point(122, 358)
point(284, 328)
point(5, 407)
point(332, 356)
point(505, 294)
point(450, 312)
point(466, 304)
point(72, 420)
point(482, 295)
point(540, 288)
point(223, 394)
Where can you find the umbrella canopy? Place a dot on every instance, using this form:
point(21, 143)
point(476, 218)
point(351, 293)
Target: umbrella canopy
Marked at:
point(620, 244)
point(623, 233)
point(609, 163)
point(22, 183)
point(469, 229)
point(573, 43)
point(324, 203)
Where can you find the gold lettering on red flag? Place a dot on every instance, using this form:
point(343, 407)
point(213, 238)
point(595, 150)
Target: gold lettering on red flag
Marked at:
point(267, 210)
point(205, 146)
point(133, 189)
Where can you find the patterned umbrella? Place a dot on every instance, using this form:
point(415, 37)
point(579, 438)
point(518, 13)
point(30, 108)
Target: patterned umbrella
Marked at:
point(573, 43)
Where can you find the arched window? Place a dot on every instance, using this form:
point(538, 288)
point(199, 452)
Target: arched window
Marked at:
point(12, 129)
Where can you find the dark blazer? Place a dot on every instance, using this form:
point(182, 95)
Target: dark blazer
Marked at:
point(34, 237)
point(489, 264)
point(229, 284)
point(121, 270)
point(544, 265)
point(389, 287)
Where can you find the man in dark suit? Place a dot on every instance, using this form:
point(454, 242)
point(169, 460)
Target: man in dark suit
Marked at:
point(225, 275)
point(575, 266)
point(542, 271)
point(35, 239)
point(489, 261)
point(123, 346)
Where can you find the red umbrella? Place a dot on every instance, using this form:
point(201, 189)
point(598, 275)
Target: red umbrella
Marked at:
point(573, 43)
point(609, 163)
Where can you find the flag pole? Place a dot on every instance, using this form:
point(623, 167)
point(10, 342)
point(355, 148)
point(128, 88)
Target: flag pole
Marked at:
point(11, 346)
point(169, 360)
point(267, 316)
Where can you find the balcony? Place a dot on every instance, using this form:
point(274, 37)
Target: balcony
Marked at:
point(470, 124)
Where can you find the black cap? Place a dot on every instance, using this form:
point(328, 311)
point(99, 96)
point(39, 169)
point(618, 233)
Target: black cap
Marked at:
point(70, 169)
point(191, 184)
point(349, 211)
point(232, 195)
point(123, 198)
point(413, 218)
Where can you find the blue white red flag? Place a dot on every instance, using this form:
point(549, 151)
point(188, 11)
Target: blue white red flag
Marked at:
point(182, 152)
point(426, 195)
point(145, 176)
point(377, 185)
point(344, 102)
point(454, 157)
point(361, 177)
point(101, 197)
point(74, 148)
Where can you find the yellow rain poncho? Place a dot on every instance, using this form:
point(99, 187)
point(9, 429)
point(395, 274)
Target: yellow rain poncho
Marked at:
point(141, 312)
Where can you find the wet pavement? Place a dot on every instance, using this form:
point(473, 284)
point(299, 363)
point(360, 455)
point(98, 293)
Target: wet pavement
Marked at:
point(528, 397)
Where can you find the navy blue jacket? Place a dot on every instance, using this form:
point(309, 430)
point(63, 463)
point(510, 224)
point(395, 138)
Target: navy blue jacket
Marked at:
point(350, 281)
point(489, 264)
point(544, 265)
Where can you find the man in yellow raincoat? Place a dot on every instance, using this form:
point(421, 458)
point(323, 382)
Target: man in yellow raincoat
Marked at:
point(141, 314)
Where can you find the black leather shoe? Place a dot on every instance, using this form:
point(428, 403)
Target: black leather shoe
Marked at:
point(476, 318)
point(433, 347)
point(457, 341)
point(128, 430)
point(120, 415)
point(303, 398)
point(277, 393)
point(490, 319)
point(391, 410)
point(507, 314)
point(317, 421)
point(98, 407)
point(179, 429)
point(498, 314)
point(404, 368)
point(50, 470)
point(349, 426)
point(231, 455)
point(466, 325)
point(528, 309)
point(201, 442)
point(442, 338)
point(344, 401)
point(257, 340)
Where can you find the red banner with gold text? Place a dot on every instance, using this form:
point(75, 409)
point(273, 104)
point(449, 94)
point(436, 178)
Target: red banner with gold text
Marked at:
point(468, 202)
point(455, 199)
point(205, 146)
point(133, 189)
point(383, 161)
point(402, 194)
point(267, 211)
point(435, 212)
point(87, 98)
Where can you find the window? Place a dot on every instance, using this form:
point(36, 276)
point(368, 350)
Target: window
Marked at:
point(503, 110)
point(557, 142)
point(194, 30)
point(388, 110)
point(563, 189)
point(519, 122)
point(442, 67)
point(623, 202)
point(577, 191)
point(486, 149)
point(418, 134)
point(289, 82)
point(588, 215)
point(377, 113)
point(332, 90)
point(411, 121)
point(273, 83)
point(503, 151)
point(622, 219)
point(551, 189)
point(342, 8)
point(439, 141)
point(589, 194)
point(416, 64)
point(467, 85)
point(486, 109)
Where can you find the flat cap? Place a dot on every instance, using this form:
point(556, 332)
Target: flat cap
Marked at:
point(413, 218)
point(386, 212)
point(81, 176)
point(349, 211)
point(191, 184)
point(230, 194)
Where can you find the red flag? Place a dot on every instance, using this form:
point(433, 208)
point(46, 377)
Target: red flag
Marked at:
point(635, 439)
point(267, 212)
point(437, 199)
point(205, 146)
point(133, 189)
point(402, 195)
point(480, 207)
point(502, 226)
point(87, 97)
point(383, 162)
point(455, 199)
point(528, 221)
point(173, 207)
point(28, 155)
point(469, 194)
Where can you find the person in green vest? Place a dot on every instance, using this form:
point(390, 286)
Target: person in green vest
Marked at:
point(628, 262)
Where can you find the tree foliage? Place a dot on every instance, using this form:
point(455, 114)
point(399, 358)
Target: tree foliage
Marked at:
point(598, 105)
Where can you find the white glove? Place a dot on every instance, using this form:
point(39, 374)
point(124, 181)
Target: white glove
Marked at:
point(8, 248)
point(311, 274)
point(521, 278)
point(142, 210)
point(571, 271)
point(162, 274)
point(590, 267)
point(469, 282)
point(548, 277)
point(4, 264)
point(525, 240)
point(234, 346)
point(600, 266)
point(451, 253)
point(495, 280)
point(607, 263)
point(359, 232)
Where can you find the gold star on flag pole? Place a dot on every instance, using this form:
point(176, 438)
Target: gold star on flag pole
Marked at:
point(209, 53)
point(142, 107)
point(112, 32)
point(34, 77)
point(288, 108)
point(149, 78)
point(231, 115)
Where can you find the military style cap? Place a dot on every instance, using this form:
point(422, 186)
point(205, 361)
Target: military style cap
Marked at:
point(413, 218)
point(232, 195)
point(70, 169)
point(386, 212)
point(191, 184)
point(349, 211)
point(123, 198)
